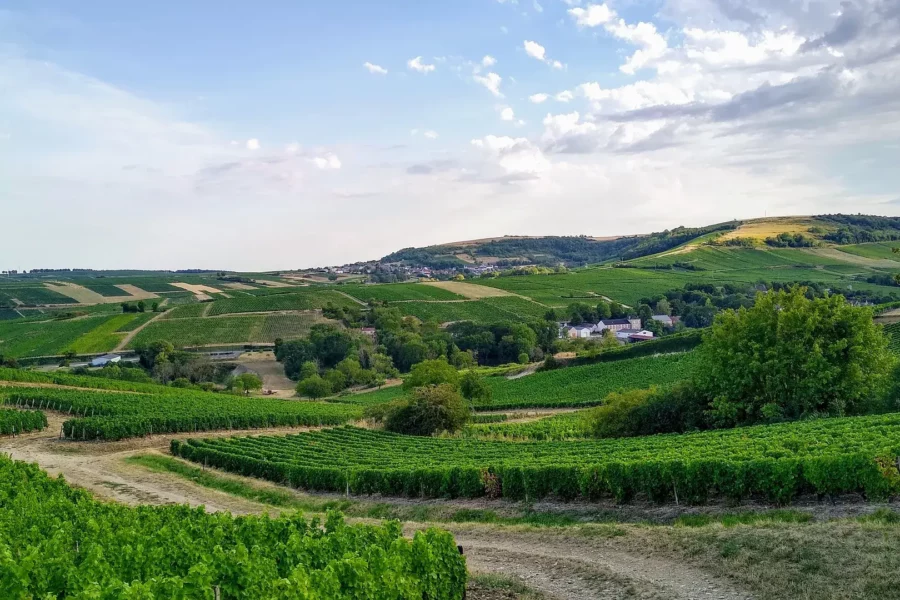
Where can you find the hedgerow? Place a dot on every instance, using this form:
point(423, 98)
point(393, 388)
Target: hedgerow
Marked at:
point(58, 542)
point(778, 462)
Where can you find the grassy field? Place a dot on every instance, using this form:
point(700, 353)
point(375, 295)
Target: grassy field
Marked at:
point(105, 336)
point(875, 250)
point(50, 338)
point(31, 296)
point(394, 292)
point(105, 289)
point(187, 311)
point(486, 310)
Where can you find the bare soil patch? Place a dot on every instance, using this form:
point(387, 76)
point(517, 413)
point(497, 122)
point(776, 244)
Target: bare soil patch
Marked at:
point(270, 371)
point(271, 283)
point(471, 291)
point(197, 289)
point(136, 293)
point(85, 296)
point(239, 286)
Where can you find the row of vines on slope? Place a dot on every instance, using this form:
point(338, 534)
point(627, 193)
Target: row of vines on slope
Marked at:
point(827, 456)
point(58, 542)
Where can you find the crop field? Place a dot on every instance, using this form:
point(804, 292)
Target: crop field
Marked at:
point(216, 555)
point(778, 462)
point(187, 311)
point(21, 421)
point(874, 250)
point(372, 398)
point(138, 320)
point(31, 296)
point(566, 426)
point(119, 415)
point(893, 333)
point(105, 289)
point(47, 338)
point(486, 310)
point(399, 292)
point(8, 314)
point(306, 300)
point(589, 384)
point(228, 329)
point(103, 338)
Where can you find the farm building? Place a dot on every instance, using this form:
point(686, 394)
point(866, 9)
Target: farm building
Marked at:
point(666, 320)
point(580, 331)
point(634, 335)
point(617, 324)
point(106, 359)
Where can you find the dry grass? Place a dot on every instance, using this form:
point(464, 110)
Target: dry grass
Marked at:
point(471, 291)
point(197, 289)
point(760, 229)
point(239, 286)
point(854, 259)
point(85, 296)
point(274, 284)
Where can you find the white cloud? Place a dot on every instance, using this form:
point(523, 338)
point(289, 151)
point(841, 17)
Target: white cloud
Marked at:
point(564, 96)
point(538, 98)
point(491, 81)
point(535, 50)
point(488, 61)
point(515, 156)
point(593, 15)
point(537, 6)
point(431, 135)
point(292, 148)
point(507, 114)
point(327, 161)
point(376, 69)
point(253, 144)
point(652, 45)
point(416, 64)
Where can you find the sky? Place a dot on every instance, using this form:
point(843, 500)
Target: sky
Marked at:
point(280, 134)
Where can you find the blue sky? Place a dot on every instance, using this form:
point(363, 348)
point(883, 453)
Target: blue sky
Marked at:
point(287, 134)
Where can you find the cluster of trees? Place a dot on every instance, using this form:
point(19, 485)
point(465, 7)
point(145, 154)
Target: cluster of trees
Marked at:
point(169, 365)
point(578, 313)
point(139, 307)
point(791, 240)
point(438, 399)
point(788, 357)
point(860, 229)
point(331, 360)
point(500, 343)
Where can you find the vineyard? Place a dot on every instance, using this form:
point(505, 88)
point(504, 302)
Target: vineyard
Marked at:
point(565, 426)
point(103, 338)
point(187, 311)
point(589, 384)
point(485, 310)
point(893, 333)
point(777, 462)
point(120, 415)
point(306, 300)
point(45, 338)
point(399, 292)
point(227, 330)
point(60, 543)
point(21, 421)
point(31, 296)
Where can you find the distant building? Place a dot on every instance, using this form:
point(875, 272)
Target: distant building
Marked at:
point(580, 331)
point(617, 324)
point(369, 331)
point(666, 320)
point(634, 335)
point(106, 359)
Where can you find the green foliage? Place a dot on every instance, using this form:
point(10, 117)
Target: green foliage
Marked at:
point(246, 383)
point(777, 462)
point(399, 292)
point(618, 414)
point(789, 357)
point(60, 543)
point(21, 421)
point(49, 338)
point(314, 387)
point(160, 409)
point(302, 300)
point(248, 329)
point(647, 412)
point(485, 310)
point(431, 409)
point(474, 389)
point(432, 372)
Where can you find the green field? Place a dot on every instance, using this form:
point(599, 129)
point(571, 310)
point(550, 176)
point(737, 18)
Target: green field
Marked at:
point(875, 250)
point(103, 338)
point(398, 292)
point(93, 549)
point(485, 310)
point(246, 329)
point(589, 384)
point(21, 421)
point(52, 338)
point(105, 289)
point(306, 300)
point(779, 462)
point(187, 311)
point(31, 296)
point(565, 426)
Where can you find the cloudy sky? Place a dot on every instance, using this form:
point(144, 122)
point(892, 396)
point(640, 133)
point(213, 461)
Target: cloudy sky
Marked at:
point(281, 134)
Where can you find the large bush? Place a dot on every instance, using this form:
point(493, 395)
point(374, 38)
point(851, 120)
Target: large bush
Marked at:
point(790, 357)
point(429, 410)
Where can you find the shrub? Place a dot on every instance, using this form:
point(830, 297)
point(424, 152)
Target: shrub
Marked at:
point(474, 388)
point(314, 387)
point(430, 410)
point(432, 372)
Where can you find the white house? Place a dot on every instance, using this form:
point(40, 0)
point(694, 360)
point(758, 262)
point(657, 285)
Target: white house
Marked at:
point(617, 324)
point(106, 359)
point(580, 331)
point(634, 335)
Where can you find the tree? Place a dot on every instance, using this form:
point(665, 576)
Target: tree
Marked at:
point(246, 383)
point(474, 388)
point(663, 308)
point(314, 387)
point(655, 327)
point(646, 314)
point(141, 306)
point(432, 372)
point(430, 410)
point(153, 353)
point(617, 311)
point(603, 310)
point(790, 357)
point(308, 369)
point(463, 360)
